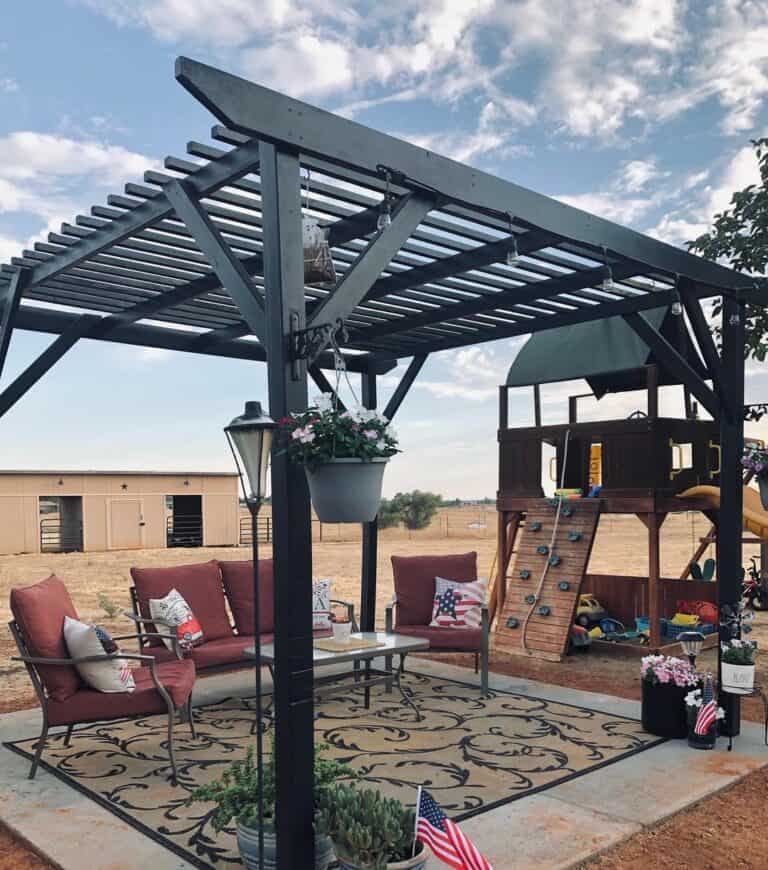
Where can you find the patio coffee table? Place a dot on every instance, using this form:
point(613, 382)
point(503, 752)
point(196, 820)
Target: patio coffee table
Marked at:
point(390, 645)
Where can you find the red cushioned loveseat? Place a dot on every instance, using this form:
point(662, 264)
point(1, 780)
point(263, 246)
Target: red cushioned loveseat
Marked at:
point(213, 590)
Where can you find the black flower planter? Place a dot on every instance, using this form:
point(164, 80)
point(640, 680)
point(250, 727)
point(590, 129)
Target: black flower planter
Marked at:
point(663, 710)
point(700, 741)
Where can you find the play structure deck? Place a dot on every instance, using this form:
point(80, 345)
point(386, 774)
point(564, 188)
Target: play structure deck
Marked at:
point(646, 464)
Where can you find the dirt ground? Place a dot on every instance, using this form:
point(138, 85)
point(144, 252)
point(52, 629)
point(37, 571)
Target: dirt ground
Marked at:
point(702, 834)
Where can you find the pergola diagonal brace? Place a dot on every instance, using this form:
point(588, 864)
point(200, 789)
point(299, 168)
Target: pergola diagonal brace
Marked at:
point(229, 268)
point(45, 362)
point(703, 336)
point(10, 306)
point(668, 356)
point(401, 391)
point(365, 271)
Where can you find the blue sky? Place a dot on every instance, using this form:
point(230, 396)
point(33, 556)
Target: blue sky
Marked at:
point(638, 110)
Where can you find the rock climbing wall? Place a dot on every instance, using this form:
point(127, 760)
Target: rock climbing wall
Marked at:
point(539, 625)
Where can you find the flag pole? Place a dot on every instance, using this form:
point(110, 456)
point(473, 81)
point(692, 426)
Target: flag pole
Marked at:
point(416, 821)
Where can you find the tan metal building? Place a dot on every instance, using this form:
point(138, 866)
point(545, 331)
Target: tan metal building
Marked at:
point(57, 511)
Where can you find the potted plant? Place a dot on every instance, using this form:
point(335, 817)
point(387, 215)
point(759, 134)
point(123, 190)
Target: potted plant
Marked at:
point(665, 682)
point(344, 454)
point(369, 831)
point(755, 459)
point(235, 796)
point(702, 733)
point(737, 666)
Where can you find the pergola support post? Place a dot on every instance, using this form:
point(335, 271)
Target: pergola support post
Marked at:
point(8, 309)
point(370, 546)
point(729, 532)
point(292, 545)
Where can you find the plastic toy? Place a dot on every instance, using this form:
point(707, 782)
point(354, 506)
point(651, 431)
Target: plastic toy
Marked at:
point(589, 611)
point(580, 638)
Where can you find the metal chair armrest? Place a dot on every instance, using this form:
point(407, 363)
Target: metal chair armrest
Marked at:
point(106, 657)
point(177, 647)
point(389, 615)
point(154, 620)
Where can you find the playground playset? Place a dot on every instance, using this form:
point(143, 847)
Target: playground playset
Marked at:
point(647, 465)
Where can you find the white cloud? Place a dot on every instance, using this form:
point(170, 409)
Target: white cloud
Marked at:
point(472, 373)
point(8, 85)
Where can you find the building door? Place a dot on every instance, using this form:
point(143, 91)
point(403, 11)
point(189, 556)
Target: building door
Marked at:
point(61, 523)
point(126, 523)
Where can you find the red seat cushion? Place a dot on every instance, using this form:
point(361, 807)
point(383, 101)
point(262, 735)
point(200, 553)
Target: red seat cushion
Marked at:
point(225, 651)
point(415, 583)
point(87, 705)
point(238, 585)
point(39, 611)
point(462, 639)
point(199, 585)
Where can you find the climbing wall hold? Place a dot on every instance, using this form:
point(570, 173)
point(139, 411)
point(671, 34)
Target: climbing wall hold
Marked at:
point(535, 527)
point(566, 512)
point(512, 622)
point(563, 585)
point(525, 574)
point(554, 561)
point(574, 536)
point(544, 610)
point(530, 599)
point(542, 549)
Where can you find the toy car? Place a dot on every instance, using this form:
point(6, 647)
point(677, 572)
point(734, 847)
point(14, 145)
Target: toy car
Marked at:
point(589, 611)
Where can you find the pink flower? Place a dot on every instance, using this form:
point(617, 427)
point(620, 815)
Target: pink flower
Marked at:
point(371, 434)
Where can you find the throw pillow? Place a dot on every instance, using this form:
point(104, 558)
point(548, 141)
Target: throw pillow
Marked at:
point(321, 604)
point(456, 604)
point(173, 612)
point(113, 675)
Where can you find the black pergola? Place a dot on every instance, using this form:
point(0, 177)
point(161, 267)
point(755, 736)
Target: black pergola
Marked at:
point(207, 258)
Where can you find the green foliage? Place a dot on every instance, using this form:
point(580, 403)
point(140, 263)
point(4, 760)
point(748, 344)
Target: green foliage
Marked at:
point(707, 573)
point(108, 606)
point(740, 236)
point(415, 510)
point(322, 432)
point(235, 794)
point(738, 652)
point(367, 829)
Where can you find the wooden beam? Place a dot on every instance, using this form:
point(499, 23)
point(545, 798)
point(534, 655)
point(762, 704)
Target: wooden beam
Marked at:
point(703, 335)
point(401, 391)
point(227, 266)
point(358, 280)
point(673, 362)
point(13, 293)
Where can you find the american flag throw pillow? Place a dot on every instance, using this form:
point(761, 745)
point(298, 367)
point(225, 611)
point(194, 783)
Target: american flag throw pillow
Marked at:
point(456, 604)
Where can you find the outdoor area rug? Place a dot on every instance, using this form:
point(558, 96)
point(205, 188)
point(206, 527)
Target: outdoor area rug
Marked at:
point(471, 753)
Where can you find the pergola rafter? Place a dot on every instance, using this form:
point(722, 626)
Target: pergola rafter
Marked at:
point(206, 257)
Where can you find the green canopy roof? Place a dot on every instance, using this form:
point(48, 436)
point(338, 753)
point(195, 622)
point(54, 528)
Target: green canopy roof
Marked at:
point(608, 354)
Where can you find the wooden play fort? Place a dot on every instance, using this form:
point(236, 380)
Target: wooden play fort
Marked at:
point(645, 464)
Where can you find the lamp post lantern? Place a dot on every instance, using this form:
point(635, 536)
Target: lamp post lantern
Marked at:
point(250, 440)
point(691, 642)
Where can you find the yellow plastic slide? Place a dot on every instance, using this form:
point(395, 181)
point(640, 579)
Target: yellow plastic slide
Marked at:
point(755, 518)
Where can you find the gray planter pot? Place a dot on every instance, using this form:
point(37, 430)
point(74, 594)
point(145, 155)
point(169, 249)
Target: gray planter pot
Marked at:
point(419, 862)
point(248, 844)
point(762, 482)
point(346, 490)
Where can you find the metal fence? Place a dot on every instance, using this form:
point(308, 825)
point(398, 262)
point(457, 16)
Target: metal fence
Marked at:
point(264, 526)
point(57, 538)
point(184, 531)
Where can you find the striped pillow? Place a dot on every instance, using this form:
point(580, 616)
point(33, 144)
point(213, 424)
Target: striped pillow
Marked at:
point(458, 605)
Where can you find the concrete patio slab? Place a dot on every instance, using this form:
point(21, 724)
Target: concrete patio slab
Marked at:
point(551, 830)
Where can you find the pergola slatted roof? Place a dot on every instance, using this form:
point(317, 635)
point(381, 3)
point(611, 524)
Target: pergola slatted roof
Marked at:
point(447, 285)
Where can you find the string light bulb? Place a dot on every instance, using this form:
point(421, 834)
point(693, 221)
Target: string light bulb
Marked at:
point(384, 220)
point(607, 284)
point(513, 255)
point(677, 305)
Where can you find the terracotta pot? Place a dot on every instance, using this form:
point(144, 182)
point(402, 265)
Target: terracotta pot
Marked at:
point(664, 711)
point(346, 490)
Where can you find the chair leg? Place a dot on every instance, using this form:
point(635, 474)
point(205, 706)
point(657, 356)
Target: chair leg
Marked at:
point(39, 749)
point(191, 717)
point(68, 735)
point(477, 662)
point(484, 671)
point(388, 669)
point(171, 755)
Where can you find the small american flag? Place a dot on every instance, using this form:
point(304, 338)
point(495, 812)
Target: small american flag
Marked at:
point(708, 710)
point(449, 845)
point(458, 606)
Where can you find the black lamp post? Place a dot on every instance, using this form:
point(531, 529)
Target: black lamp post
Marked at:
point(691, 642)
point(250, 440)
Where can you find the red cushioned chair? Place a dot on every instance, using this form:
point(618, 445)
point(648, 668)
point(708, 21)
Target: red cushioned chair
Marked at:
point(207, 588)
point(38, 629)
point(410, 612)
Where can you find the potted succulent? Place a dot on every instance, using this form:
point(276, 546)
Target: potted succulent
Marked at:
point(665, 682)
point(235, 796)
point(755, 459)
point(344, 454)
point(737, 666)
point(369, 831)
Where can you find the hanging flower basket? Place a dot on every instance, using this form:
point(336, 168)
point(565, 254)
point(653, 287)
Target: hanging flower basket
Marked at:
point(344, 454)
